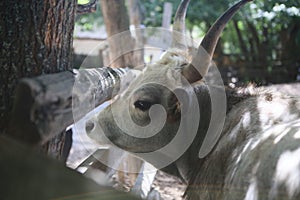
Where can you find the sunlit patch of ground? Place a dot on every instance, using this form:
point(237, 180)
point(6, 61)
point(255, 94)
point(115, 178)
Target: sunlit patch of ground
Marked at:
point(170, 188)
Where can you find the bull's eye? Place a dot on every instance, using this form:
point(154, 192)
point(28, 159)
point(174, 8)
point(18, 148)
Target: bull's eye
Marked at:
point(143, 105)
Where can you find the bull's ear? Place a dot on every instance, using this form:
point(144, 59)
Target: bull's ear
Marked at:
point(178, 104)
point(174, 110)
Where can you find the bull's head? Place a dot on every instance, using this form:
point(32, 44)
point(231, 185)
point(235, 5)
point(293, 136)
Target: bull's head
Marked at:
point(148, 115)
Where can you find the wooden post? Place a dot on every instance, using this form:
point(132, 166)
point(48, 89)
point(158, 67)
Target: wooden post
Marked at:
point(166, 23)
point(135, 16)
point(116, 21)
point(167, 15)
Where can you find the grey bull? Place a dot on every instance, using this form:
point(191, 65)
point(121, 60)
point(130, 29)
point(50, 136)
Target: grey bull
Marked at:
point(225, 143)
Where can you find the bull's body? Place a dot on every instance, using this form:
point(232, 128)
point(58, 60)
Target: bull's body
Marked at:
point(258, 154)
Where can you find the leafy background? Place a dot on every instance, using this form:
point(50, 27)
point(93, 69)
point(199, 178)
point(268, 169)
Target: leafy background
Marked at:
point(261, 43)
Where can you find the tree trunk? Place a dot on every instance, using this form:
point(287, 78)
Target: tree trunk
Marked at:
point(254, 41)
point(240, 38)
point(36, 38)
point(136, 18)
point(116, 21)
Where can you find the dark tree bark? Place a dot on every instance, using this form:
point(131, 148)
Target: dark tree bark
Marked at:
point(36, 38)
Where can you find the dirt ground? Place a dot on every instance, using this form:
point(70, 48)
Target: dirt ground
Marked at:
point(169, 187)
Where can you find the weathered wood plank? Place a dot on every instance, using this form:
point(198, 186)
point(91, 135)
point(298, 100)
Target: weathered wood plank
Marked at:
point(44, 106)
point(40, 177)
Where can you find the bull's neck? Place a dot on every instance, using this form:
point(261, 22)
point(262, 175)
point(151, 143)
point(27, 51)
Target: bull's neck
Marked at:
point(191, 157)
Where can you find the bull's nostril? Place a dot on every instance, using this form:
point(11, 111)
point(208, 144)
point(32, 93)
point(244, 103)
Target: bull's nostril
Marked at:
point(89, 126)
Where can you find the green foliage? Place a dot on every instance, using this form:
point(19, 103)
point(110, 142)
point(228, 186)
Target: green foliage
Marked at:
point(153, 14)
point(81, 2)
point(269, 29)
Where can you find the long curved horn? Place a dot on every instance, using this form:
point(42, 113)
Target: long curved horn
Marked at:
point(179, 24)
point(209, 44)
